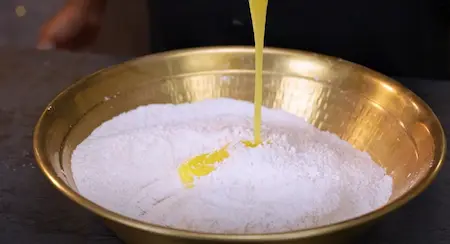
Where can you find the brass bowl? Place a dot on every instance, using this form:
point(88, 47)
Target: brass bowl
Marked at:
point(368, 109)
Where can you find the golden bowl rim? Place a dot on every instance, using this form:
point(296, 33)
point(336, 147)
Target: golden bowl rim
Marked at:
point(414, 191)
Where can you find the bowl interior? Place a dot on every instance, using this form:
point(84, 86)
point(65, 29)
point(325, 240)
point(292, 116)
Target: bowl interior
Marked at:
point(361, 106)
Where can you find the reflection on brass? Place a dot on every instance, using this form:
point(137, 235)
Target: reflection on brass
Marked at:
point(371, 111)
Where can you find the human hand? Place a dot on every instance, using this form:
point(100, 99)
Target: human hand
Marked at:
point(75, 26)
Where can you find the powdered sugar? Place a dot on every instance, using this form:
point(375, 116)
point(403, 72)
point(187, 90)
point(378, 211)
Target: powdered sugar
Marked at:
point(303, 178)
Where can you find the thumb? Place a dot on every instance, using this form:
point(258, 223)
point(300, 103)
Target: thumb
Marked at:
point(60, 29)
point(46, 40)
point(45, 45)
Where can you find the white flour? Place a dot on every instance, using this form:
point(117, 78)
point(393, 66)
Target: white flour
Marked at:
point(304, 178)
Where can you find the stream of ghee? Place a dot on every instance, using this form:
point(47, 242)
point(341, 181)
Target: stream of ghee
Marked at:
point(258, 10)
point(204, 164)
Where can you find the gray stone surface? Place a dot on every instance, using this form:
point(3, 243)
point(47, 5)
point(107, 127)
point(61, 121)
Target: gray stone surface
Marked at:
point(32, 211)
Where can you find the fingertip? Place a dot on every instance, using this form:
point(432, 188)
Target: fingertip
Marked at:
point(45, 40)
point(45, 46)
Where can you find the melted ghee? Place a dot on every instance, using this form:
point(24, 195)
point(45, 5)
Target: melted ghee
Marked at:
point(201, 165)
point(204, 164)
point(258, 10)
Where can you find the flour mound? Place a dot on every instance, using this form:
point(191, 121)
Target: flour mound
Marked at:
point(303, 178)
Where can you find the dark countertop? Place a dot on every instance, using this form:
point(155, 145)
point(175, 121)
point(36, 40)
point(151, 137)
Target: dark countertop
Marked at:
point(32, 211)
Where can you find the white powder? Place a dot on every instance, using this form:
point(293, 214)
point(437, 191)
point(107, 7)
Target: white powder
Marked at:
point(304, 178)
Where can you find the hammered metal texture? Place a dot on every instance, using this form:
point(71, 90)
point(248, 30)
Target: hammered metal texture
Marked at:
point(369, 110)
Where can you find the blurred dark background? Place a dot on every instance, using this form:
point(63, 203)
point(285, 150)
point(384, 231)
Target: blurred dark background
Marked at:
point(124, 32)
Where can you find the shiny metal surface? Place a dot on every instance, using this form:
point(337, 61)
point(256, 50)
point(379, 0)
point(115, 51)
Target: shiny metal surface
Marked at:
point(371, 111)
